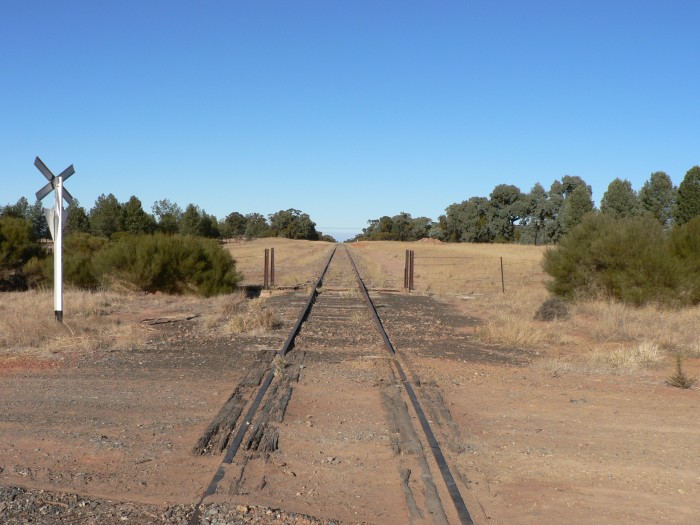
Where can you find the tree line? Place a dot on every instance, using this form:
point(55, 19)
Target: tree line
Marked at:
point(545, 216)
point(109, 216)
point(115, 240)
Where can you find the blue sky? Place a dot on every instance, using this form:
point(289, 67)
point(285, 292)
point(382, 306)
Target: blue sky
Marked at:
point(346, 110)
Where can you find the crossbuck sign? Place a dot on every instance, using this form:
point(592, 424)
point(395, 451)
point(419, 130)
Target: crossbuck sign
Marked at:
point(56, 217)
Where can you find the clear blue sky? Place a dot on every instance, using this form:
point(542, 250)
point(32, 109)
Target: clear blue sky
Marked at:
point(346, 110)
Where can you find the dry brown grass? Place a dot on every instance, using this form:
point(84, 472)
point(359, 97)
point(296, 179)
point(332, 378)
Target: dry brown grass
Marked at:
point(451, 268)
point(600, 336)
point(27, 323)
point(296, 262)
point(255, 317)
point(625, 359)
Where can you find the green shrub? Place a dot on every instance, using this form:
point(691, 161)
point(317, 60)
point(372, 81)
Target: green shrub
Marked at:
point(685, 247)
point(79, 252)
point(17, 243)
point(18, 246)
point(169, 263)
point(625, 259)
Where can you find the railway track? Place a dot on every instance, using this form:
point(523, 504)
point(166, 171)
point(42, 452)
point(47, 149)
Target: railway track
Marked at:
point(370, 442)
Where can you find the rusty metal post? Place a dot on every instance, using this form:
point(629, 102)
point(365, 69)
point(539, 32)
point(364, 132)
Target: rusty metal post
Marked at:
point(410, 271)
point(503, 281)
point(266, 274)
point(272, 267)
point(405, 272)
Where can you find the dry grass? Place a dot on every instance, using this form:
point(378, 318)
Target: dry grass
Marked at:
point(236, 314)
point(450, 268)
point(645, 354)
point(625, 359)
point(680, 379)
point(296, 262)
point(27, 322)
point(600, 336)
point(252, 316)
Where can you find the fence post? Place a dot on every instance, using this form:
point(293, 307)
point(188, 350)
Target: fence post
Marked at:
point(272, 267)
point(410, 271)
point(405, 272)
point(503, 281)
point(266, 274)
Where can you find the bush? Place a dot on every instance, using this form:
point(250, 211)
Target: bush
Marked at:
point(552, 309)
point(79, 251)
point(169, 263)
point(17, 243)
point(18, 246)
point(625, 259)
point(685, 247)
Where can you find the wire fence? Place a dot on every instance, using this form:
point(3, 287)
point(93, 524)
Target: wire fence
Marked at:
point(476, 274)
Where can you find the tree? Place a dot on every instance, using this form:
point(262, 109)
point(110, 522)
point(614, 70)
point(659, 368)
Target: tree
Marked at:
point(658, 196)
point(281, 222)
point(293, 224)
point(256, 226)
point(78, 221)
point(385, 228)
point(620, 200)
point(474, 217)
point(233, 225)
point(136, 220)
point(559, 192)
point(106, 217)
point(401, 226)
point(197, 222)
point(575, 207)
point(467, 221)
point(506, 207)
point(303, 228)
point(18, 210)
point(168, 215)
point(539, 211)
point(688, 199)
point(35, 213)
point(420, 228)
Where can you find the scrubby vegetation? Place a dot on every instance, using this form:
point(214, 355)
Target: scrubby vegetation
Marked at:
point(552, 309)
point(166, 263)
point(633, 260)
point(169, 263)
point(680, 379)
point(170, 250)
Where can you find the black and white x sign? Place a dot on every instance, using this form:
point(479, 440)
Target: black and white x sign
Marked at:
point(43, 192)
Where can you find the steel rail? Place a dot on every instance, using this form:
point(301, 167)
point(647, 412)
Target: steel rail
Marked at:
point(461, 508)
point(243, 428)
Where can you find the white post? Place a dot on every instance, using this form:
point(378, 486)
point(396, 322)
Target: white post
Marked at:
point(58, 252)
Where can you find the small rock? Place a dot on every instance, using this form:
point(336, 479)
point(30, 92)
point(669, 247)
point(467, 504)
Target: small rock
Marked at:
point(242, 508)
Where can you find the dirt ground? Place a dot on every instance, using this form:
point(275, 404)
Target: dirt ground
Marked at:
point(527, 445)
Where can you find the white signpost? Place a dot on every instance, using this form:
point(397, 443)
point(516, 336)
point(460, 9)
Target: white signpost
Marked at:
point(56, 217)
